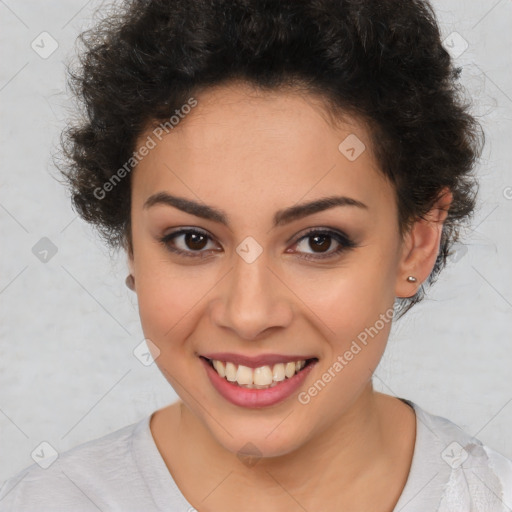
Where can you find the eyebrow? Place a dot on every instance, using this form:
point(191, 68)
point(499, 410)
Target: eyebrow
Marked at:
point(281, 217)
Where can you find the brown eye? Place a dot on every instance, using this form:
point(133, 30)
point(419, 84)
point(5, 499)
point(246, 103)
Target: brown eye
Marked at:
point(195, 241)
point(187, 242)
point(320, 241)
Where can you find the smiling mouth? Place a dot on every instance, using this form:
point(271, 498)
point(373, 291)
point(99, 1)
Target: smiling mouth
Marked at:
point(262, 377)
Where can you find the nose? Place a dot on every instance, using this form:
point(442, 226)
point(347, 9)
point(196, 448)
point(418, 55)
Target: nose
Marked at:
point(252, 300)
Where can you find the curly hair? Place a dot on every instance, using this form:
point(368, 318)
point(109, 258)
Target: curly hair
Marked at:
point(381, 61)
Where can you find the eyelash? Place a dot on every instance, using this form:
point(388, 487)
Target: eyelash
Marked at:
point(345, 243)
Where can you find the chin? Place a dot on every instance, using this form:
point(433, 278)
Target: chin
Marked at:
point(259, 435)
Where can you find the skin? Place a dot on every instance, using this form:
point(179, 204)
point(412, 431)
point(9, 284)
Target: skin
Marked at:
point(251, 154)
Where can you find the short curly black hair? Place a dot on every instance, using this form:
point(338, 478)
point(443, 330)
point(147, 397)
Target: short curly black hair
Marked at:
point(381, 61)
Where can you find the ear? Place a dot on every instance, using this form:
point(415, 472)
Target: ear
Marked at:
point(420, 246)
point(129, 262)
point(130, 279)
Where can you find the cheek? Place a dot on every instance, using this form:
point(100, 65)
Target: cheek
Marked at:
point(172, 300)
point(354, 316)
point(353, 310)
point(166, 295)
point(349, 298)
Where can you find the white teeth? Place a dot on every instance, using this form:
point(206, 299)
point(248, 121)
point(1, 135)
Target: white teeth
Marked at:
point(263, 376)
point(219, 366)
point(244, 375)
point(230, 372)
point(259, 378)
point(278, 372)
point(289, 369)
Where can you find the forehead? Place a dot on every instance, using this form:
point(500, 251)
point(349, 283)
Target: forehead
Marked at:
point(239, 144)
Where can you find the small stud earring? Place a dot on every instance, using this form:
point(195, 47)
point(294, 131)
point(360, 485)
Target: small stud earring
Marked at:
point(411, 279)
point(130, 282)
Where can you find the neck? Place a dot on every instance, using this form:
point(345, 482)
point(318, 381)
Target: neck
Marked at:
point(360, 447)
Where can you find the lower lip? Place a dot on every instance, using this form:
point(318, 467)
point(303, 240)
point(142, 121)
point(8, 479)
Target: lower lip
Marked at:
point(255, 398)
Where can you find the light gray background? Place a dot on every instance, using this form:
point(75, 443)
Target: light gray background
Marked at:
point(69, 326)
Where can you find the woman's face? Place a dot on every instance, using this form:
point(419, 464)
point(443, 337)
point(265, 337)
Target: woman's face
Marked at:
point(251, 285)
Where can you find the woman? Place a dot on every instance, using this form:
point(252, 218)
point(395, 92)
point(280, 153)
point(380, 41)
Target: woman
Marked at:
point(285, 178)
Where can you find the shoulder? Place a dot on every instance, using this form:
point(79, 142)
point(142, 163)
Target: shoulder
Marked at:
point(78, 478)
point(465, 472)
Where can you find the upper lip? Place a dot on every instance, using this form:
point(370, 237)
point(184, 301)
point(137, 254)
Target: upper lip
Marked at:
point(255, 361)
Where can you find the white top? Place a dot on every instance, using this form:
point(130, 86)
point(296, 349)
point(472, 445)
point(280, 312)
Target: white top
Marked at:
point(124, 472)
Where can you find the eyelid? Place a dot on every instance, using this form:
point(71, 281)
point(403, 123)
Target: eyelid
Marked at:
point(334, 232)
